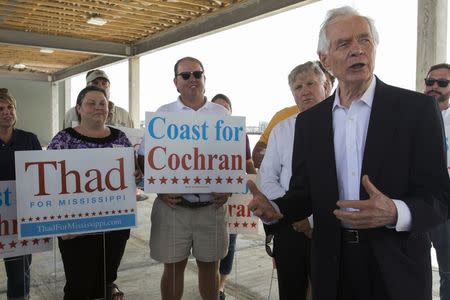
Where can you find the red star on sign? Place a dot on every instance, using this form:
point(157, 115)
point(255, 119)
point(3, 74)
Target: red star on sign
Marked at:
point(151, 180)
point(229, 179)
point(45, 218)
point(100, 213)
point(66, 216)
point(113, 212)
point(253, 225)
point(174, 180)
point(93, 214)
point(23, 219)
point(186, 180)
point(240, 179)
point(12, 244)
point(35, 241)
point(24, 243)
point(2, 245)
point(132, 210)
point(80, 215)
point(126, 210)
point(37, 218)
point(197, 180)
point(46, 240)
point(59, 217)
point(119, 211)
point(52, 217)
point(73, 215)
point(219, 179)
point(208, 180)
point(245, 224)
point(236, 224)
point(30, 219)
point(163, 180)
point(106, 212)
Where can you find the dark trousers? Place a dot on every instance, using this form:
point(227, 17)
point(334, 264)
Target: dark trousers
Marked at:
point(91, 263)
point(226, 263)
point(291, 251)
point(440, 237)
point(360, 277)
point(18, 273)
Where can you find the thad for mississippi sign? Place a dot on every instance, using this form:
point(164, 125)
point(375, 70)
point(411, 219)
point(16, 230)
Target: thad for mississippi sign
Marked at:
point(75, 191)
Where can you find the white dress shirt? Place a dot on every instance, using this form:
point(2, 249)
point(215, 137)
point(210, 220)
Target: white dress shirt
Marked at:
point(350, 132)
point(276, 167)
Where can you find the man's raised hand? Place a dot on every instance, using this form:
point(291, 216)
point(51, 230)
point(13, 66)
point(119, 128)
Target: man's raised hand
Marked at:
point(260, 205)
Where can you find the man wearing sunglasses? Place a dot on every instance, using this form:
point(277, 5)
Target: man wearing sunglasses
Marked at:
point(185, 222)
point(369, 164)
point(437, 86)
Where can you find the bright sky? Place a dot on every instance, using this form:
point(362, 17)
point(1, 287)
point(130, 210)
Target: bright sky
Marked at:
point(250, 63)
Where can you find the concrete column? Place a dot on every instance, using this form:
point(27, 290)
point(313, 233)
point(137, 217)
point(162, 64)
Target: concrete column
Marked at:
point(55, 118)
point(431, 37)
point(133, 83)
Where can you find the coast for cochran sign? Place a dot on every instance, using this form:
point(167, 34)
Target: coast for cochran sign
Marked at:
point(10, 245)
point(240, 218)
point(194, 153)
point(63, 192)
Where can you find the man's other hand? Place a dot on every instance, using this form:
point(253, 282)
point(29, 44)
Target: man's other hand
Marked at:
point(379, 210)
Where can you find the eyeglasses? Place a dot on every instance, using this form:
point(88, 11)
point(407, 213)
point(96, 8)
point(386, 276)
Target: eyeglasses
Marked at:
point(187, 75)
point(269, 239)
point(443, 83)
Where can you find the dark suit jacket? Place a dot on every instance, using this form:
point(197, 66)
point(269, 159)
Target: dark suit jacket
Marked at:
point(405, 159)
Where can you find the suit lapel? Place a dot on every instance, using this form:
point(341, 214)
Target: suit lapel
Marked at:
point(381, 131)
point(323, 141)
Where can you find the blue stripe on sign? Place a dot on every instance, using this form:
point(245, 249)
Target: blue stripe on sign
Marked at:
point(62, 227)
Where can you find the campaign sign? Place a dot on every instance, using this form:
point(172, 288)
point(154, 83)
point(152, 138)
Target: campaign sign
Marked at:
point(194, 153)
point(63, 192)
point(10, 245)
point(240, 218)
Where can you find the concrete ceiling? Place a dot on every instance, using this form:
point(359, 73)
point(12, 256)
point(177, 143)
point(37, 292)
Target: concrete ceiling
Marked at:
point(133, 27)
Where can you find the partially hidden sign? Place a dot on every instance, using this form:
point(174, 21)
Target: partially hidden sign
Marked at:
point(10, 244)
point(63, 192)
point(240, 218)
point(194, 153)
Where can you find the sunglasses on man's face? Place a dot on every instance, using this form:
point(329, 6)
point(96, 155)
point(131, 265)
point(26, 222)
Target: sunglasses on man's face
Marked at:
point(443, 83)
point(187, 75)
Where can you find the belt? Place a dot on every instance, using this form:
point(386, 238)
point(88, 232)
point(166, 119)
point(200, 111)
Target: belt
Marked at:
point(188, 204)
point(353, 236)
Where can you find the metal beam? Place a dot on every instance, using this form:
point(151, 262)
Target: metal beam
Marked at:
point(25, 75)
point(32, 39)
point(94, 63)
point(237, 13)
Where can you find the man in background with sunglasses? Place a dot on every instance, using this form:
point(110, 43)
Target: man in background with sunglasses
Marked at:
point(437, 86)
point(181, 222)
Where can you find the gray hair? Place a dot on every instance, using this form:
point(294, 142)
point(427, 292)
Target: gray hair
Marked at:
point(345, 11)
point(308, 66)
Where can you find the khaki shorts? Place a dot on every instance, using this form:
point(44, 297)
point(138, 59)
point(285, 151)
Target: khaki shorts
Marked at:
point(174, 231)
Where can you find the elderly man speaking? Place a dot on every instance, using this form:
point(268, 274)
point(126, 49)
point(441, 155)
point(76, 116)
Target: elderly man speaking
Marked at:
point(369, 164)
